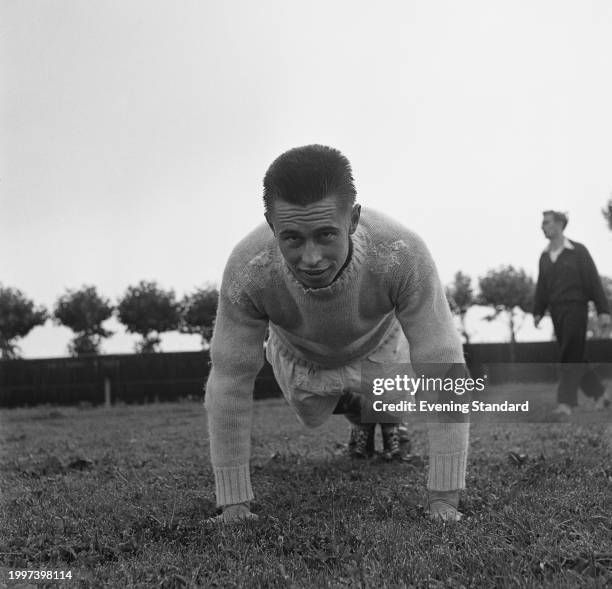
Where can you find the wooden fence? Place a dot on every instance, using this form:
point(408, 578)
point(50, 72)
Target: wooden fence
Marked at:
point(140, 378)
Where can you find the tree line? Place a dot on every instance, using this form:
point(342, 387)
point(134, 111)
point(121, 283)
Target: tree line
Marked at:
point(149, 311)
point(145, 309)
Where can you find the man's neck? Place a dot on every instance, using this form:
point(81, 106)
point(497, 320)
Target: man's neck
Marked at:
point(346, 263)
point(556, 243)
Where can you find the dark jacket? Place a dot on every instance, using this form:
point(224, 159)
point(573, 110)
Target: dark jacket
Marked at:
point(573, 278)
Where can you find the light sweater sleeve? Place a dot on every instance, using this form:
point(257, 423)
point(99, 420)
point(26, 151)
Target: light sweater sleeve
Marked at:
point(422, 308)
point(435, 351)
point(237, 356)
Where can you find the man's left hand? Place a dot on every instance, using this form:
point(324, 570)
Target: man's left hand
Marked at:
point(604, 320)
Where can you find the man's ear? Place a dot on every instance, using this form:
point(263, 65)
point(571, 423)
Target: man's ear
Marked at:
point(269, 221)
point(355, 215)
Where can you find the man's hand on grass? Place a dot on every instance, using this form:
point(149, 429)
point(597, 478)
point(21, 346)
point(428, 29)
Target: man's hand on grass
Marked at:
point(233, 514)
point(442, 506)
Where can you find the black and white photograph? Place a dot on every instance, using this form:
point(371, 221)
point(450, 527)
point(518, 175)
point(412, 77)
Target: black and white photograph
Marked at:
point(306, 294)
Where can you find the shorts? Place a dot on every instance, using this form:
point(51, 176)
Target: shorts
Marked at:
point(313, 393)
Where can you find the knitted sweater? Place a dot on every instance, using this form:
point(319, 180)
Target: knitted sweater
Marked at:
point(390, 274)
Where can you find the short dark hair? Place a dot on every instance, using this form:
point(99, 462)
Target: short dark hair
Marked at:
point(558, 216)
point(304, 175)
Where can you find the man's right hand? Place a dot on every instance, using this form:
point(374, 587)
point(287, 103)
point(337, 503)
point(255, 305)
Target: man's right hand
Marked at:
point(442, 506)
point(233, 514)
point(536, 320)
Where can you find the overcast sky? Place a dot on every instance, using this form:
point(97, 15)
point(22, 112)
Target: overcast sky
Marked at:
point(135, 134)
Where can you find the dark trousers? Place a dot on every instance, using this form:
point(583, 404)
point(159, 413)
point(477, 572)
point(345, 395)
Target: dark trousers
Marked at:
point(570, 323)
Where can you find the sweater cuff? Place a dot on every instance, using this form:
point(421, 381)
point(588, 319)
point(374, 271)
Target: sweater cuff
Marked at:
point(447, 472)
point(233, 484)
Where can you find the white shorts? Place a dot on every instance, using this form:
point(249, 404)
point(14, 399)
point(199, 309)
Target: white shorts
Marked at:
point(314, 393)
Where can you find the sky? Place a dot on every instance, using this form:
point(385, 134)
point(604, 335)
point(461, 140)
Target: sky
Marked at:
point(134, 134)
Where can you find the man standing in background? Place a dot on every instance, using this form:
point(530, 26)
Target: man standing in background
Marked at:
point(567, 281)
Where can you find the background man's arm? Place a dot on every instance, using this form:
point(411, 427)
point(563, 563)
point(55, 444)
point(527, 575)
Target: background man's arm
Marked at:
point(596, 290)
point(540, 301)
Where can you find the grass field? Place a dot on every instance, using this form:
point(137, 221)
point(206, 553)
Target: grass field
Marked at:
point(118, 496)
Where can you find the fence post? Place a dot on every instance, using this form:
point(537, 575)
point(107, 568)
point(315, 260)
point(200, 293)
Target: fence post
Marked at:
point(107, 392)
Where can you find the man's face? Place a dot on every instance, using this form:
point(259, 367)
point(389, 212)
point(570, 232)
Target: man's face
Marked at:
point(314, 239)
point(550, 227)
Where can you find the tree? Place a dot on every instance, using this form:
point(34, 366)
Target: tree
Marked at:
point(149, 311)
point(607, 213)
point(198, 312)
point(83, 311)
point(593, 328)
point(510, 292)
point(18, 316)
point(460, 297)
